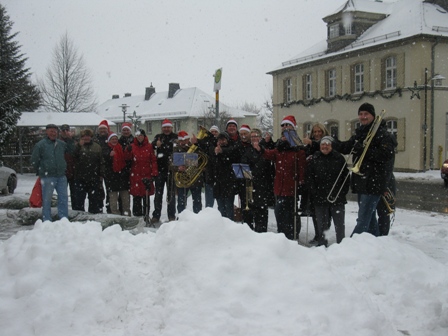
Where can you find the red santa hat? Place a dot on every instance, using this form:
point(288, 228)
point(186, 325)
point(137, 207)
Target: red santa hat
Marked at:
point(126, 125)
point(111, 135)
point(167, 123)
point(232, 121)
point(245, 128)
point(182, 135)
point(104, 123)
point(289, 120)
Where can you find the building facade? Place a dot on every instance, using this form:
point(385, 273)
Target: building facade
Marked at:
point(393, 55)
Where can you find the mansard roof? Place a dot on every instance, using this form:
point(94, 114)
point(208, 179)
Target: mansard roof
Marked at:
point(401, 19)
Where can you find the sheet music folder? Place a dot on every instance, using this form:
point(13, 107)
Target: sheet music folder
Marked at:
point(185, 159)
point(242, 170)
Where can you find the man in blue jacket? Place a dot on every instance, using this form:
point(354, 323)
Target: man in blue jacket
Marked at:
point(49, 163)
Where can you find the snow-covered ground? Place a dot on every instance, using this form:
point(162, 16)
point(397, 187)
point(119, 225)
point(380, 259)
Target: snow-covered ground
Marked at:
point(205, 275)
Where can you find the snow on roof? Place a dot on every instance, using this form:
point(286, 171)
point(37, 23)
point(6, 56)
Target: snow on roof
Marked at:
point(405, 18)
point(30, 119)
point(189, 102)
point(364, 6)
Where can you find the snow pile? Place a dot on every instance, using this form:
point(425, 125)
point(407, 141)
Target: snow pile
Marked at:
point(205, 275)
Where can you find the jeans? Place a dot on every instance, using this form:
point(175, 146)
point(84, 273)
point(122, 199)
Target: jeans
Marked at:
point(366, 221)
point(49, 184)
point(196, 195)
point(285, 214)
point(209, 199)
point(225, 206)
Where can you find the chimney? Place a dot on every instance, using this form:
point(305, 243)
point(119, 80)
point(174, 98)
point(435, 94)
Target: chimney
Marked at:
point(172, 88)
point(115, 96)
point(127, 95)
point(149, 91)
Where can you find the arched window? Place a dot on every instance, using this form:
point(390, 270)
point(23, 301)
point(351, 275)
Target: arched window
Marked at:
point(333, 128)
point(392, 127)
point(307, 129)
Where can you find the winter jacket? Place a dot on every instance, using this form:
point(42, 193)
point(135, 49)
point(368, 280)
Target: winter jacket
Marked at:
point(290, 166)
point(377, 166)
point(164, 151)
point(206, 144)
point(223, 174)
point(115, 181)
point(48, 157)
point(262, 175)
point(144, 165)
point(89, 162)
point(322, 173)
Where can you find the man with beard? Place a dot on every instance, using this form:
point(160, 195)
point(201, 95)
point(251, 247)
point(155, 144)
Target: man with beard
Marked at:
point(375, 170)
point(163, 145)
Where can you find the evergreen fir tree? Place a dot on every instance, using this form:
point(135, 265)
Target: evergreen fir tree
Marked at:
point(17, 93)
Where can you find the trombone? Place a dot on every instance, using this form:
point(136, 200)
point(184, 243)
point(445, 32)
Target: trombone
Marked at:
point(370, 135)
point(357, 166)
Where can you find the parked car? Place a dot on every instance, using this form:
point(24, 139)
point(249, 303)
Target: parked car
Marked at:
point(8, 179)
point(444, 172)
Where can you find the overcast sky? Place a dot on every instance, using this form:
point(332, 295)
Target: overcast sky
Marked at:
point(130, 44)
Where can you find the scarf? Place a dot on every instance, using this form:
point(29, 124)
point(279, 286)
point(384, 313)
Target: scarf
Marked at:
point(118, 159)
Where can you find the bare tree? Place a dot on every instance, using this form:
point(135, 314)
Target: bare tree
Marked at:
point(67, 85)
point(209, 118)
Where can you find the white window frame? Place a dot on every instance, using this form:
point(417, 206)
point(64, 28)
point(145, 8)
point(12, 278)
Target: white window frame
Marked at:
point(331, 82)
point(392, 127)
point(307, 129)
point(391, 72)
point(288, 90)
point(348, 29)
point(333, 31)
point(308, 86)
point(359, 78)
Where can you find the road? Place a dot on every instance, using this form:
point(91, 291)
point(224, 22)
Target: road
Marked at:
point(420, 195)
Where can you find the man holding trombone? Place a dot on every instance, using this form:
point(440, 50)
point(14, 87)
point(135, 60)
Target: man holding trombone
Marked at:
point(373, 151)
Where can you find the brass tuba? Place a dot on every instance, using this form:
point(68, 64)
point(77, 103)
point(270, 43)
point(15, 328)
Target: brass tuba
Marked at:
point(191, 174)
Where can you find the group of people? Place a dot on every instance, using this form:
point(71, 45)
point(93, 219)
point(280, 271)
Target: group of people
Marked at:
point(237, 161)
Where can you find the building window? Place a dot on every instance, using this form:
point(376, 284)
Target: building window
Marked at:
point(333, 128)
point(391, 72)
point(331, 83)
point(307, 129)
point(308, 86)
point(148, 126)
point(392, 127)
point(176, 126)
point(359, 78)
point(348, 28)
point(334, 31)
point(355, 125)
point(288, 90)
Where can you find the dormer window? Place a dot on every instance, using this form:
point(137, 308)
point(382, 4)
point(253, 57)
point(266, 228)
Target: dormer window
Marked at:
point(347, 20)
point(333, 31)
point(348, 29)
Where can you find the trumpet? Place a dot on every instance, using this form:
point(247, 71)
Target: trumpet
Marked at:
point(370, 135)
point(389, 201)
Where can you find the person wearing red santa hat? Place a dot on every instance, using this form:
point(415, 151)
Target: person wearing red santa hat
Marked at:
point(163, 144)
point(290, 164)
point(183, 142)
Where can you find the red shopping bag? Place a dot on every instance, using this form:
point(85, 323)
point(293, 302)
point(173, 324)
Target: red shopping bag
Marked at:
point(36, 195)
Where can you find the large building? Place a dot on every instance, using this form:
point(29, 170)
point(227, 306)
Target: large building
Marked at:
point(187, 108)
point(391, 54)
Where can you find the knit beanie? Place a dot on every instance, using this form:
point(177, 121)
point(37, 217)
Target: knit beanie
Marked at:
point(367, 108)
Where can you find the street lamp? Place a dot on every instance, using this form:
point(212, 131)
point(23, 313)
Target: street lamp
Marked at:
point(124, 108)
point(415, 92)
